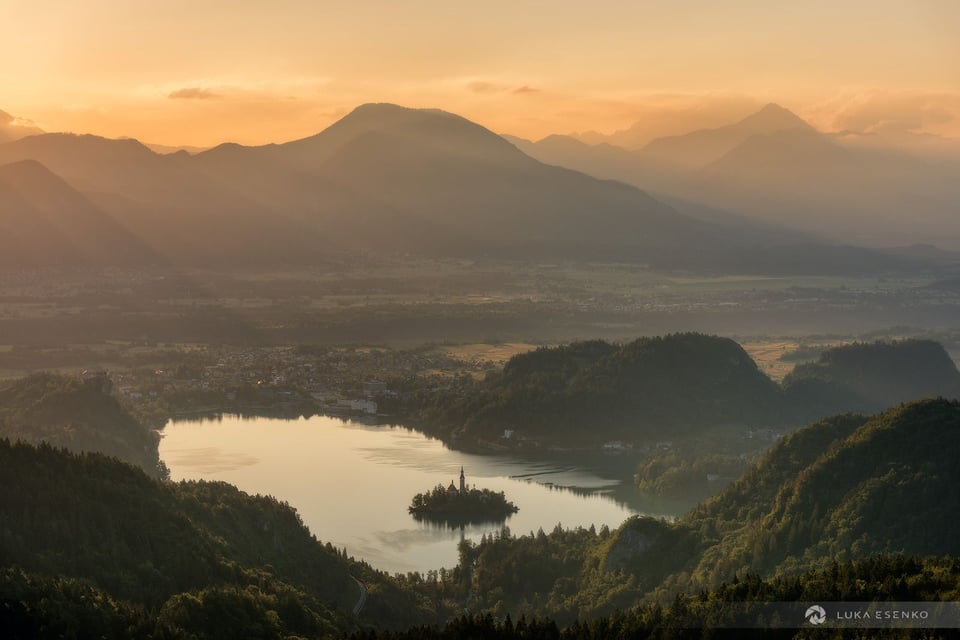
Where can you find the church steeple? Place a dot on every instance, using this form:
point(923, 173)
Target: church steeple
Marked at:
point(463, 486)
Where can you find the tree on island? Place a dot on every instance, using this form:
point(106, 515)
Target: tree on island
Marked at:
point(461, 505)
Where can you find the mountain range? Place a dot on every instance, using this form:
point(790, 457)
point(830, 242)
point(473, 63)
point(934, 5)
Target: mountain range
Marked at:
point(773, 166)
point(383, 178)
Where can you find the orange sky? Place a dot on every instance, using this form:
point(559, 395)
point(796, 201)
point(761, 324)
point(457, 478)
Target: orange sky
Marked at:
point(203, 71)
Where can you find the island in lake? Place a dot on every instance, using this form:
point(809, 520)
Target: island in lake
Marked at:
point(461, 505)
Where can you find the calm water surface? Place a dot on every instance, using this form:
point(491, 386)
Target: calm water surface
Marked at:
point(352, 483)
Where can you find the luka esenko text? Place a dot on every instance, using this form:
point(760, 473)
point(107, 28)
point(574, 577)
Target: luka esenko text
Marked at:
point(461, 504)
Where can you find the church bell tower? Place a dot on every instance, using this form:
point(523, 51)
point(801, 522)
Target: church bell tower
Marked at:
point(463, 486)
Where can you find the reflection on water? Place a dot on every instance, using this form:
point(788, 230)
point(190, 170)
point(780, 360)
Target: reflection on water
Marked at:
point(210, 460)
point(460, 523)
point(352, 483)
point(404, 539)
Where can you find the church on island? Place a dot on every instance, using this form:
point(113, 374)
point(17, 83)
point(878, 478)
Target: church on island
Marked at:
point(452, 489)
point(461, 505)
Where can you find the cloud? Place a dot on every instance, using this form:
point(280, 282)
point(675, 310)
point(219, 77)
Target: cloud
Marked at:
point(15, 121)
point(480, 86)
point(891, 111)
point(12, 127)
point(485, 87)
point(194, 93)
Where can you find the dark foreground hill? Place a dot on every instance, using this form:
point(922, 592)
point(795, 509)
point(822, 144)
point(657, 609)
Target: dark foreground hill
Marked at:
point(177, 559)
point(845, 489)
point(150, 544)
point(735, 610)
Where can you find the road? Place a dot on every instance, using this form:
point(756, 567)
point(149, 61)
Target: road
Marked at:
point(363, 598)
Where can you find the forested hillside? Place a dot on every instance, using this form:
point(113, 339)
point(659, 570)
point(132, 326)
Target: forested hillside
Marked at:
point(845, 488)
point(195, 556)
point(586, 393)
point(79, 416)
point(92, 542)
point(719, 613)
point(590, 391)
point(871, 377)
point(842, 490)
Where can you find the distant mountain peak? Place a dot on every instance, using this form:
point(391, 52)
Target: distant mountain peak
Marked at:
point(404, 126)
point(773, 107)
point(380, 106)
point(380, 110)
point(570, 141)
point(773, 117)
point(376, 108)
point(385, 116)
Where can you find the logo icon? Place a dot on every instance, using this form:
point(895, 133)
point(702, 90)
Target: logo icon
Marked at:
point(816, 615)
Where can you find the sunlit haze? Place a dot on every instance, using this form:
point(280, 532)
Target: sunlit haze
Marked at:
point(200, 72)
point(428, 320)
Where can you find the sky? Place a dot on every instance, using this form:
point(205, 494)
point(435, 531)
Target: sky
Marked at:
point(200, 72)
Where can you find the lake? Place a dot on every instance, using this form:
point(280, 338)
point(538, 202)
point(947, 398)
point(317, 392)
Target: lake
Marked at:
point(352, 482)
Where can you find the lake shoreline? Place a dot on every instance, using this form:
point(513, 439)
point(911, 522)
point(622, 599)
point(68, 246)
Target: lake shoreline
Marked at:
point(329, 465)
